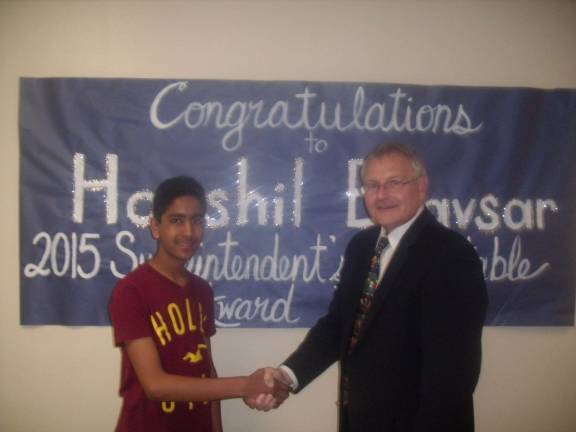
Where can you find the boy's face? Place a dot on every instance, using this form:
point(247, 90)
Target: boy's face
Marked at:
point(180, 229)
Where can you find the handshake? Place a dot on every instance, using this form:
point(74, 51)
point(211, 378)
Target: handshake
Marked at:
point(267, 388)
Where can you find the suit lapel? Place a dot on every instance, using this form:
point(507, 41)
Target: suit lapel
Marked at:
point(390, 278)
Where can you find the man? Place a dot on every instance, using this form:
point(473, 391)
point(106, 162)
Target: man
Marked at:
point(163, 319)
point(405, 323)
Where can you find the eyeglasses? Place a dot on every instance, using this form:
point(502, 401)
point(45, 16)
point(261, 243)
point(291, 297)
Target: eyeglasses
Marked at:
point(372, 188)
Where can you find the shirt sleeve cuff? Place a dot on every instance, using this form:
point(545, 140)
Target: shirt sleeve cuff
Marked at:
point(288, 371)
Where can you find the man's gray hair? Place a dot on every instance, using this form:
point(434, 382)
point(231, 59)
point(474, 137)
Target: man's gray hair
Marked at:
point(405, 150)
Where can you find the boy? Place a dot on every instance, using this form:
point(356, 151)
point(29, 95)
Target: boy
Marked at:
point(163, 318)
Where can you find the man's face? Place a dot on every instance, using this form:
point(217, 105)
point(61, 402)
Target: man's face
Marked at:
point(180, 230)
point(393, 192)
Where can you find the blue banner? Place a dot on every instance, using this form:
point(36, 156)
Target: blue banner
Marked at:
point(280, 162)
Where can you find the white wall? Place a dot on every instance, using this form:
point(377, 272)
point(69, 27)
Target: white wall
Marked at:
point(65, 379)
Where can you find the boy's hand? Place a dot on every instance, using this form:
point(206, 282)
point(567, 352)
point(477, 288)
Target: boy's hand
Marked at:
point(266, 389)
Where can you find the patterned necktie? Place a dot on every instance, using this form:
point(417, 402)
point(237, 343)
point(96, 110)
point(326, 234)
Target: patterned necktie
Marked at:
point(368, 291)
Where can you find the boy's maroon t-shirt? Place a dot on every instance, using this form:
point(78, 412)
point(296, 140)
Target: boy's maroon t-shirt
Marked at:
point(180, 320)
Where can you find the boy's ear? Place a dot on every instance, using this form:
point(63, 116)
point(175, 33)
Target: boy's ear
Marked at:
point(154, 228)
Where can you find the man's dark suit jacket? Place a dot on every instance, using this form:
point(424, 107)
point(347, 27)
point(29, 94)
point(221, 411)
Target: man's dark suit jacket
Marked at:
point(417, 360)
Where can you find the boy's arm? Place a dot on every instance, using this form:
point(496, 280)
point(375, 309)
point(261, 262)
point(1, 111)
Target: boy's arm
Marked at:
point(215, 406)
point(160, 385)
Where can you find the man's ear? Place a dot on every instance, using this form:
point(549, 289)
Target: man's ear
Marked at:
point(423, 185)
point(154, 228)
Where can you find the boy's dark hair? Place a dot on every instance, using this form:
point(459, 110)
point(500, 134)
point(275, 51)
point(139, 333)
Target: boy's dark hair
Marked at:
point(173, 188)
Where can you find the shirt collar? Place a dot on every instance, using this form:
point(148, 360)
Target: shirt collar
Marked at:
point(397, 233)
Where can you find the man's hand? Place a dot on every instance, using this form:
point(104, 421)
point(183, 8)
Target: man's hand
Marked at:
point(267, 388)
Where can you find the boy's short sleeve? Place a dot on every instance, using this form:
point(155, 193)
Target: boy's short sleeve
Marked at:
point(128, 314)
point(210, 324)
point(205, 296)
